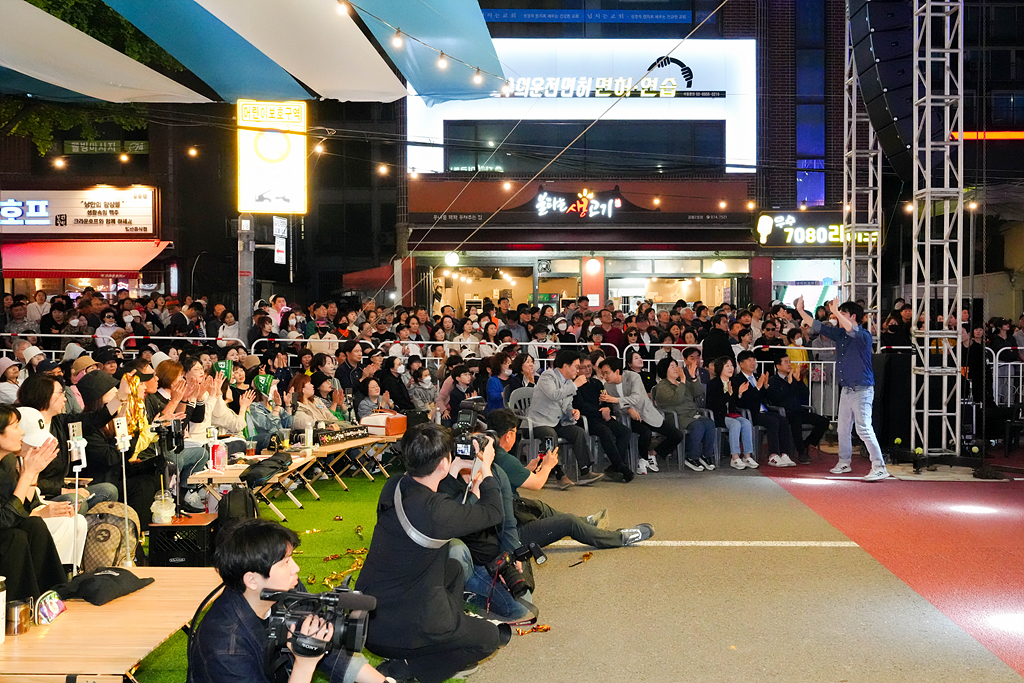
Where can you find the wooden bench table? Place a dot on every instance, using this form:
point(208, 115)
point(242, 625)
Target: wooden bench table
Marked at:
point(101, 644)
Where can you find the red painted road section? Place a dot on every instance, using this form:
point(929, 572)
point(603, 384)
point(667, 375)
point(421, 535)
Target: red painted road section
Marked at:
point(968, 562)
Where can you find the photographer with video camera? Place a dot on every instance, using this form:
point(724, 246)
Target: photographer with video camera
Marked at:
point(232, 642)
point(418, 623)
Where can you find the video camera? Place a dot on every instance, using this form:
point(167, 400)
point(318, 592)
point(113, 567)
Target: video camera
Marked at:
point(347, 609)
point(504, 565)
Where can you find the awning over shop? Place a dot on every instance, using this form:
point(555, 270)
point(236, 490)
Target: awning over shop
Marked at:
point(372, 278)
point(83, 258)
point(46, 49)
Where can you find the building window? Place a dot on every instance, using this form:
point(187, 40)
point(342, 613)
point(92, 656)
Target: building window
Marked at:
point(610, 148)
point(809, 30)
point(1008, 108)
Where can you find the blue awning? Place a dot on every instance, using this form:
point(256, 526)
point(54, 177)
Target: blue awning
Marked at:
point(456, 27)
point(211, 50)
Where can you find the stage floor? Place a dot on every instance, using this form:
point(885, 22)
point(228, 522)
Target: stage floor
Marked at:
point(783, 575)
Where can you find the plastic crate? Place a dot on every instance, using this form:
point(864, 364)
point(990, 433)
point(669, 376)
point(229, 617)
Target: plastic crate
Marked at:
point(186, 542)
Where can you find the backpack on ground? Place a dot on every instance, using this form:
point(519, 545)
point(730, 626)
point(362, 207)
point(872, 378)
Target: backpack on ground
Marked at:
point(105, 544)
point(236, 505)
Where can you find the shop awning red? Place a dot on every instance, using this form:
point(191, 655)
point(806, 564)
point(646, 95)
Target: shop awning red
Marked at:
point(372, 278)
point(84, 258)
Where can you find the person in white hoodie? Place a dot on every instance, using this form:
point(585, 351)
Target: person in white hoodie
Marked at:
point(38, 308)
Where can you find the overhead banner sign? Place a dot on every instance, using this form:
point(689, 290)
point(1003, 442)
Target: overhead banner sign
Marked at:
point(271, 157)
point(562, 80)
point(578, 16)
point(101, 211)
point(804, 229)
point(106, 146)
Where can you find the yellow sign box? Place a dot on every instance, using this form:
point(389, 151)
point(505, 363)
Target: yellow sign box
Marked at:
point(271, 157)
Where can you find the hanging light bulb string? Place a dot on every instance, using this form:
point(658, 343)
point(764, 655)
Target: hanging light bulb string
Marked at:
point(442, 58)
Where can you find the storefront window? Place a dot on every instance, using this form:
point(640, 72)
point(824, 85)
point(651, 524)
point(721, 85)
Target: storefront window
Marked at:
point(813, 279)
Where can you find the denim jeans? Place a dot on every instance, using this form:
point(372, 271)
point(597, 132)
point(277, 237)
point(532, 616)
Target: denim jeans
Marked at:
point(700, 439)
point(100, 493)
point(855, 410)
point(740, 432)
point(188, 461)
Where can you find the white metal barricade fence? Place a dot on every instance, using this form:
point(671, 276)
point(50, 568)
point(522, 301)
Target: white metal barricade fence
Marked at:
point(33, 338)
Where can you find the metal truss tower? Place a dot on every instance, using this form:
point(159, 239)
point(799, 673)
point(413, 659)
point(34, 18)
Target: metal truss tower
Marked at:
point(938, 225)
point(862, 200)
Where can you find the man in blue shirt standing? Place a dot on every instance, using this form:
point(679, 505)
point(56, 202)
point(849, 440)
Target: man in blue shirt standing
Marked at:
point(856, 380)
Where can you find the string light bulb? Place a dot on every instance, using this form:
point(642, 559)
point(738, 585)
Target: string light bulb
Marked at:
point(59, 163)
point(442, 63)
point(657, 201)
point(972, 206)
point(397, 39)
point(319, 149)
point(123, 157)
point(342, 7)
point(803, 206)
point(414, 175)
point(751, 206)
point(722, 204)
point(452, 259)
point(908, 207)
point(478, 77)
point(507, 185)
point(382, 169)
point(192, 151)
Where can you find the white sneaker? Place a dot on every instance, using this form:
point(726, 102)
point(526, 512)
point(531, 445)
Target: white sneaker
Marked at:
point(777, 461)
point(652, 463)
point(787, 461)
point(738, 464)
point(877, 474)
point(194, 500)
point(750, 462)
point(641, 466)
point(841, 468)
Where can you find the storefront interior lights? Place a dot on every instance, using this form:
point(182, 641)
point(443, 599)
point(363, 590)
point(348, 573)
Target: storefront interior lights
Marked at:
point(446, 273)
point(697, 279)
point(451, 259)
point(718, 267)
point(593, 266)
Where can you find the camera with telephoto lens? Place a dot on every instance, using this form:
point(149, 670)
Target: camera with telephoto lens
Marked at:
point(504, 565)
point(347, 609)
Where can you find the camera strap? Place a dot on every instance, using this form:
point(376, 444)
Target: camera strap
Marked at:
point(414, 534)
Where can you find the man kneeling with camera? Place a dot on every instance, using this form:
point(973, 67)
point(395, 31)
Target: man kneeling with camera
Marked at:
point(418, 623)
point(266, 628)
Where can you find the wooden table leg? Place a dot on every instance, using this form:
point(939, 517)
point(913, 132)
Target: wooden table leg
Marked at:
point(260, 495)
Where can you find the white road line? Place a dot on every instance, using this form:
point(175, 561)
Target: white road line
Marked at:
point(733, 544)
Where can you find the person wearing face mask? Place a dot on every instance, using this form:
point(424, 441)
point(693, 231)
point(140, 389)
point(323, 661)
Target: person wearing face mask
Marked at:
point(390, 379)
point(562, 333)
point(798, 356)
point(423, 392)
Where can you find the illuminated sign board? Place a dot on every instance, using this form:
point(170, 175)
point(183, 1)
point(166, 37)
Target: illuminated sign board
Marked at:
point(804, 229)
point(577, 79)
point(271, 157)
point(97, 211)
point(583, 205)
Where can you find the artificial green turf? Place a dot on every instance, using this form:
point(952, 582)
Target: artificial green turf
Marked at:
point(357, 507)
point(167, 664)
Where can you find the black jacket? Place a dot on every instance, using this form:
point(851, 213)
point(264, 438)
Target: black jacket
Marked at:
point(717, 345)
point(588, 400)
point(396, 388)
point(752, 398)
point(415, 608)
point(720, 403)
point(792, 396)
